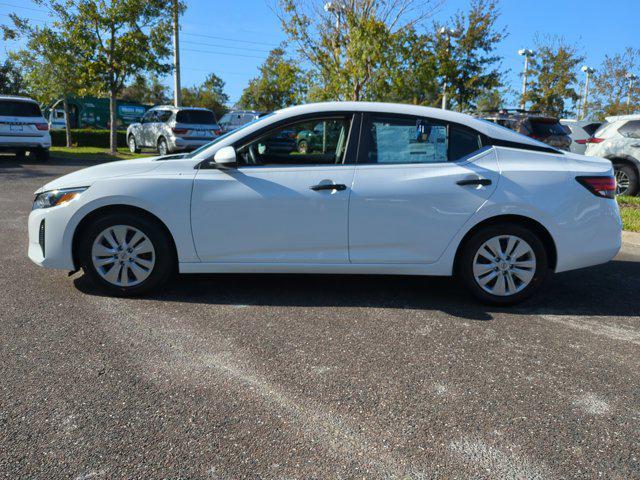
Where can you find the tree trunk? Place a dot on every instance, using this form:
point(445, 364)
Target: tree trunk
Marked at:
point(113, 124)
point(67, 121)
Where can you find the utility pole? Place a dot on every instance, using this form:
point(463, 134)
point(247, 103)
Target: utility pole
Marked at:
point(589, 71)
point(632, 78)
point(448, 33)
point(526, 53)
point(177, 92)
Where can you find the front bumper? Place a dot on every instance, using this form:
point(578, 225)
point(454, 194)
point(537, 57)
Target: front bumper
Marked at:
point(48, 245)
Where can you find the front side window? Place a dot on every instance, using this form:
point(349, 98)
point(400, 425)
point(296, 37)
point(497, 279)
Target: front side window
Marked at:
point(149, 116)
point(630, 129)
point(406, 140)
point(299, 143)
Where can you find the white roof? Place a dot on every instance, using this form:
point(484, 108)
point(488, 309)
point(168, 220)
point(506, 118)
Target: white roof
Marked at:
point(483, 126)
point(617, 118)
point(14, 97)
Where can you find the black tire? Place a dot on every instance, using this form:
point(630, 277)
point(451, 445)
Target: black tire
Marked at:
point(303, 147)
point(42, 154)
point(163, 148)
point(133, 145)
point(631, 174)
point(165, 259)
point(467, 256)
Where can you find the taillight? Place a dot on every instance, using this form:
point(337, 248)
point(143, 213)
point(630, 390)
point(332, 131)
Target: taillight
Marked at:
point(582, 141)
point(594, 140)
point(217, 132)
point(179, 131)
point(604, 187)
point(42, 126)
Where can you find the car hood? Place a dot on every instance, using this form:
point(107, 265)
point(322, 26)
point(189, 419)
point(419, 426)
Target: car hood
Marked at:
point(86, 176)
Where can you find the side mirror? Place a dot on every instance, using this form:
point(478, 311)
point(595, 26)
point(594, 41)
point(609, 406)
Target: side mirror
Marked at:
point(225, 157)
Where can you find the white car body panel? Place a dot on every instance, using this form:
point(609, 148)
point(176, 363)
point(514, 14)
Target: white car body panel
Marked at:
point(392, 219)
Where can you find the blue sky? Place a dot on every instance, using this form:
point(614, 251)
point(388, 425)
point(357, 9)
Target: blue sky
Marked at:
point(232, 38)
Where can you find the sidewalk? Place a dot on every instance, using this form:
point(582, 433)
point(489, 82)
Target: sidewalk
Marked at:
point(631, 238)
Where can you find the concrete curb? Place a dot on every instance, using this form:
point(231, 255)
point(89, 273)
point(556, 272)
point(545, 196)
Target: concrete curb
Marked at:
point(631, 238)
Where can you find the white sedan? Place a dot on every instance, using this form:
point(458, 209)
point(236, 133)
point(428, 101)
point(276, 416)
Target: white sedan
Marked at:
point(381, 189)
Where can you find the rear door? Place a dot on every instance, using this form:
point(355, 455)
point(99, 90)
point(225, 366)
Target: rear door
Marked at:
point(146, 126)
point(417, 182)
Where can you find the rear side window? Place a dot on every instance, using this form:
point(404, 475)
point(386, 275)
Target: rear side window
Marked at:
point(544, 128)
point(407, 140)
point(14, 108)
point(631, 129)
point(164, 115)
point(196, 117)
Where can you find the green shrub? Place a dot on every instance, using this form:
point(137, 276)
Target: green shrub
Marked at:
point(86, 137)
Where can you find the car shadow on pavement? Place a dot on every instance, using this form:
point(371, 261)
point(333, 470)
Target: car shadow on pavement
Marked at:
point(608, 290)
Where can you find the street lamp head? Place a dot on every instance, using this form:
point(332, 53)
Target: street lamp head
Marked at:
point(631, 76)
point(525, 52)
point(447, 31)
point(588, 70)
point(328, 7)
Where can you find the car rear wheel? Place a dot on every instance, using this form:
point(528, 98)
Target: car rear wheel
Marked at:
point(133, 146)
point(626, 180)
point(126, 255)
point(163, 148)
point(503, 264)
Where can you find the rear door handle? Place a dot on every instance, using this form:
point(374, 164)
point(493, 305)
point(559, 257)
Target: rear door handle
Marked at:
point(475, 181)
point(328, 186)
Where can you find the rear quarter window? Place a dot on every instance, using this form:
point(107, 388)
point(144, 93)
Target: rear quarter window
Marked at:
point(13, 108)
point(591, 128)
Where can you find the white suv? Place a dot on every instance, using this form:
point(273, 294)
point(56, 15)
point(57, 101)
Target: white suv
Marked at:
point(618, 140)
point(23, 128)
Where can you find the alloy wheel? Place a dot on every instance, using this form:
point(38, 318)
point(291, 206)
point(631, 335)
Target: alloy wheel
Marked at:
point(623, 182)
point(504, 265)
point(132, 144)
point(123, 255)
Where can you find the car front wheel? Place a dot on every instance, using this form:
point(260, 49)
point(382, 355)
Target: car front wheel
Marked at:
point(126, 255)
point(503, 264)
point(133, 146)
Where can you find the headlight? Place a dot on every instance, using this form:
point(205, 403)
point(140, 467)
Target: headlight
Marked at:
point(53, 198)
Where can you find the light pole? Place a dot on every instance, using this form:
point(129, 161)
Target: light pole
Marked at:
point(588, 71)
point(448, 33)
point(335, 8)
point(632, 78)
point(177, 91)
point(526, 53)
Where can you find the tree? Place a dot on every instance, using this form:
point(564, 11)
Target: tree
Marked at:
point(49, 58)
point(611, 85)
point(279, 84)
point(490, 100)
point(148, 91)
point(351, 45)
point(11, 79)
point(209, 95)
point(553, 80)
point(465, 54)
point(127, 38)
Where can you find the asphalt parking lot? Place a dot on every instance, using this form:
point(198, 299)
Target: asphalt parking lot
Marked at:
point(311, 377)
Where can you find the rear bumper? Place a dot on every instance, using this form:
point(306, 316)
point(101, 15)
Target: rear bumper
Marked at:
point(595, 238)
point(177, 143)
point(13, 143)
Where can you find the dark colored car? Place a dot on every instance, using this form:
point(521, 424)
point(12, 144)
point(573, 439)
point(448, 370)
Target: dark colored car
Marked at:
point(533, 124)
point(315, 139)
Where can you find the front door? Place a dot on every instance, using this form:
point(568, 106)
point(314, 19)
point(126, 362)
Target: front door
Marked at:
point(278, 205)
point(417, 182)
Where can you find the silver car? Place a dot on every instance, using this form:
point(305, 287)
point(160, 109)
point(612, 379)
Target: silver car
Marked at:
point(237, 118)
point(618, 140)
point(580, 132)
point(169, 129)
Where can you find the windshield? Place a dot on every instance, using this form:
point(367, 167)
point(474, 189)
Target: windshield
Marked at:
point(196, 152)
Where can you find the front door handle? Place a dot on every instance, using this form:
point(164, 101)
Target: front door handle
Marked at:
point(328, 186)
point(485, 182)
